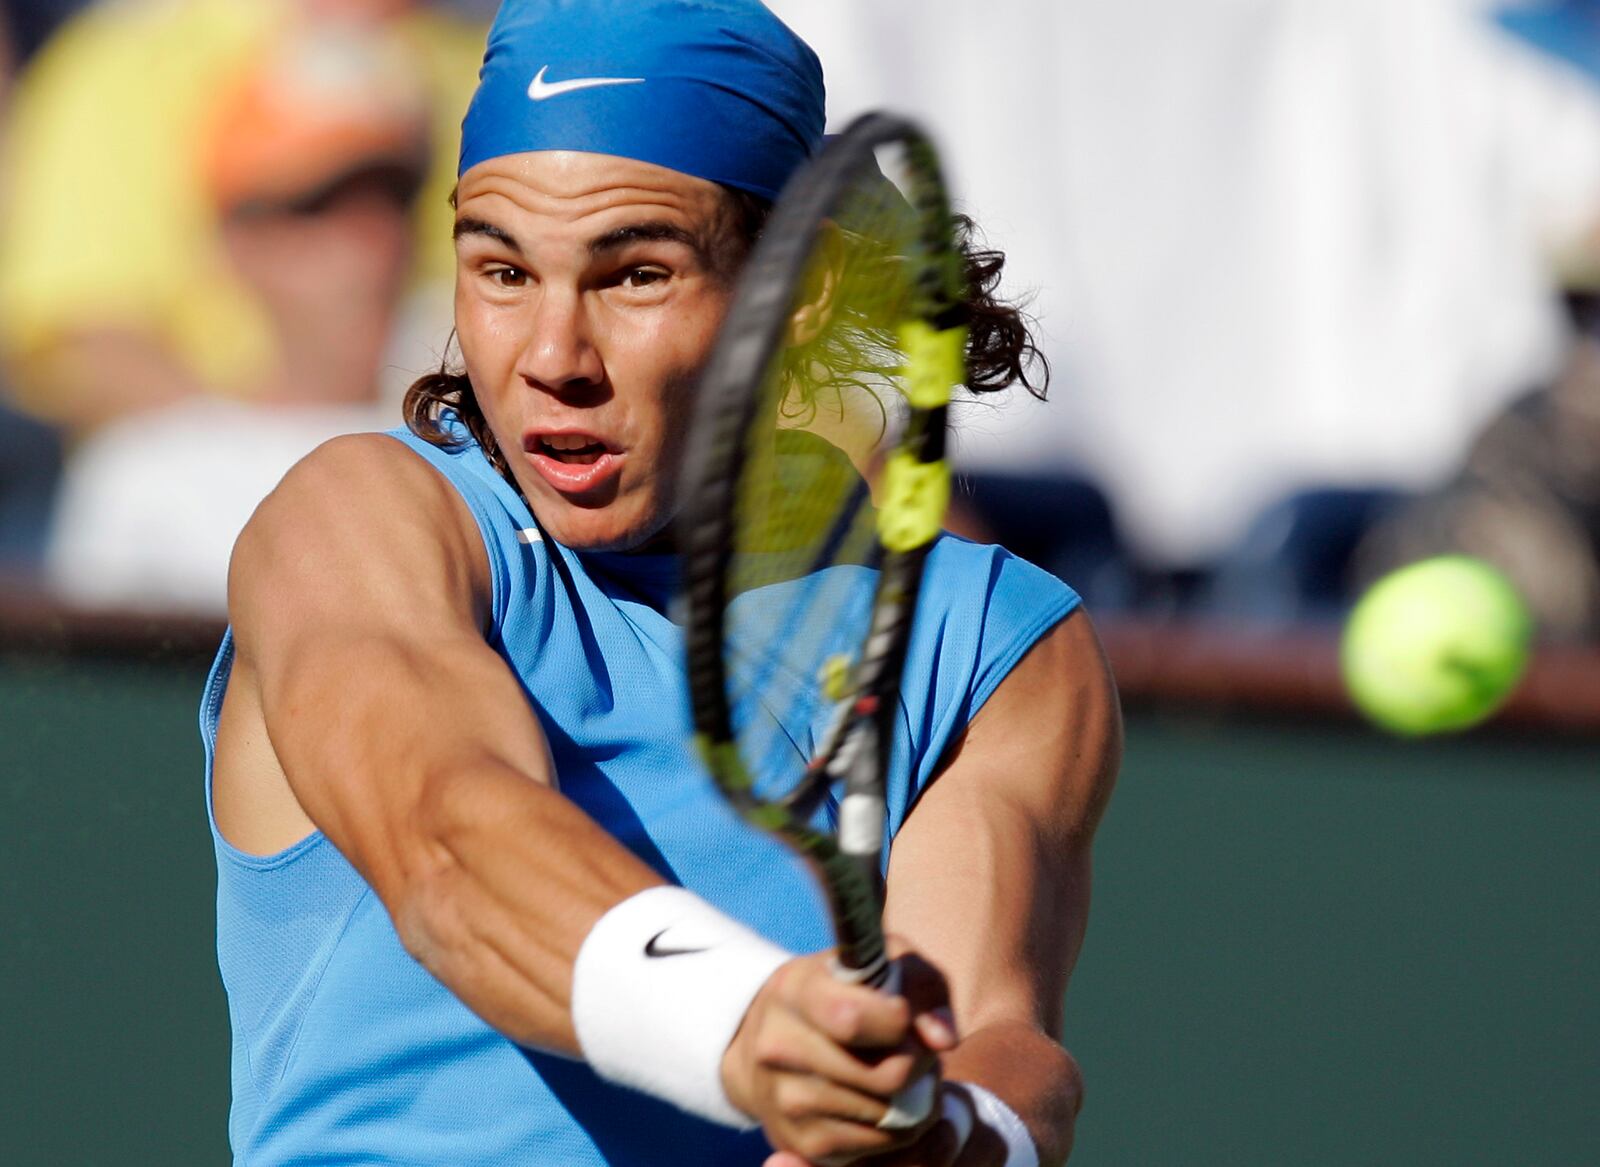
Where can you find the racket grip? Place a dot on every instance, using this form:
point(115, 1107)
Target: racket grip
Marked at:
point(910, 1106)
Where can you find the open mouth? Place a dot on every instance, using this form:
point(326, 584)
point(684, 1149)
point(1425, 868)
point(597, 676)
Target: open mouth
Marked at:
point(574, 463)
point(572, 449)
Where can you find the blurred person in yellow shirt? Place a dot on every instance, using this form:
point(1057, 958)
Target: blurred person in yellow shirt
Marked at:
point(116, 291)
point(207, 264)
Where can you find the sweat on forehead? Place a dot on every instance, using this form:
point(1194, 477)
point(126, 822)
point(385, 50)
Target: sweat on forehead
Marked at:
point(718, 89)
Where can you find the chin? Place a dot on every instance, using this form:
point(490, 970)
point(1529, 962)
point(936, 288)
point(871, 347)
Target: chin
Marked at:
point(597, 530)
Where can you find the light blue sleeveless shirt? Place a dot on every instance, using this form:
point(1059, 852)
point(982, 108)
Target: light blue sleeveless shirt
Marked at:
point(346, 1051)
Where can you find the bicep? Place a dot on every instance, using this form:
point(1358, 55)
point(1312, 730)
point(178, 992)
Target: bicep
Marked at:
point(989, 877)
point(358, 593)
point(362, 535)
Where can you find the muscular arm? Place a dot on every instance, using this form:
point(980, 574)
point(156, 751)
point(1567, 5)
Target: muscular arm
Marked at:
point(989, 877)
point(358, 595)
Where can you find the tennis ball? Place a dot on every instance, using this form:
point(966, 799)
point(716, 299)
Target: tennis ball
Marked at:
point(1436, 646)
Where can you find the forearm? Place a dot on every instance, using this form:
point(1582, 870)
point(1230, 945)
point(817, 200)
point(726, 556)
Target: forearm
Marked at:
point(514, 878)
point(1031, 1074)
point(505, 890)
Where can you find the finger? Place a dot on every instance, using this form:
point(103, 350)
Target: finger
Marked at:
point(803, 1098)
point(851, 1014)
point(936, 1030)
point(790, 1044)
point(857, 1016)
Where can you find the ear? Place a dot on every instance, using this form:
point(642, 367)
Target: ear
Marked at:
point(819, 291)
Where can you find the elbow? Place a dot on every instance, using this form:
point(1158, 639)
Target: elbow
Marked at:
point(427, 917)
point(424, 880)
point(431, 883)
point(423, 905)
point(1055, 1135)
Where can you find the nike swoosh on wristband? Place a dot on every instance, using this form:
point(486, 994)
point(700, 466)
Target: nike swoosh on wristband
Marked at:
point(651, 948)
point(542, 90)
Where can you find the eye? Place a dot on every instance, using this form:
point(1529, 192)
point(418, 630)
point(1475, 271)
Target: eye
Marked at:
point(643, 277)
point(508, 277)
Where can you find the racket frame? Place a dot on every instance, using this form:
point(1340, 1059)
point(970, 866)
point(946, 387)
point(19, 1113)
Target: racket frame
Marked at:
point(914, 495)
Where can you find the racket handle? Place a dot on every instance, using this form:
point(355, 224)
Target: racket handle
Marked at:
point(910, 1106)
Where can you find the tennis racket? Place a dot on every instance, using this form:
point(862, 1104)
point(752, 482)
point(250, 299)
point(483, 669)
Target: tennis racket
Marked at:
point(815, 483)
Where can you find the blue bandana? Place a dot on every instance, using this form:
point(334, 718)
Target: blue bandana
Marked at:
point(719, 89)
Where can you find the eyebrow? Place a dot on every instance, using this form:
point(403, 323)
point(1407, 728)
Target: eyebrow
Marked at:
point(479, 227)
point(652, 232)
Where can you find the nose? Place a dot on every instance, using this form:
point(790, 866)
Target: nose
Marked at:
point(560, 356)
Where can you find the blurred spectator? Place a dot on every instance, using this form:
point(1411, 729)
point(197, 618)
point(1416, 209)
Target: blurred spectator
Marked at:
point(1528, 496)
point(1278, 243)
point(204, 258)
point(1527, 500)
point(312, 163)
point(109, 130)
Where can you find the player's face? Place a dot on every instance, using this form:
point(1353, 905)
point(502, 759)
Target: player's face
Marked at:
point(589, 290)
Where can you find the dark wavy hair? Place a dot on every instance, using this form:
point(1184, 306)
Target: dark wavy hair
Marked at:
point(1001, 348)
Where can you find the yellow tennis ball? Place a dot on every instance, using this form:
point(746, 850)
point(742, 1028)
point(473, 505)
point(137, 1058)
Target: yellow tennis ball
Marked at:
point(1436, 646)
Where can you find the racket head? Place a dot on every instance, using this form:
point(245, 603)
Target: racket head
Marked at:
point(814, 482)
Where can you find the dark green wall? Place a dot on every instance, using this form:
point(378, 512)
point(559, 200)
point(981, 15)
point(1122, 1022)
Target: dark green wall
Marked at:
point(1310, 945)
point(1319, 946)
point(115, 1043)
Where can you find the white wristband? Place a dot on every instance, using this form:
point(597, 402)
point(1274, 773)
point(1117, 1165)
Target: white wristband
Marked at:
point(1000, 1118)
point(659, 988)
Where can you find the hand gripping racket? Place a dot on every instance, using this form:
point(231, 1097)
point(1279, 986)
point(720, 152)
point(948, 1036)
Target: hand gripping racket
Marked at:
point(815, 482)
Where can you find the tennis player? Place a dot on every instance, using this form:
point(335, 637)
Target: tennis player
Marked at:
point(478, 903)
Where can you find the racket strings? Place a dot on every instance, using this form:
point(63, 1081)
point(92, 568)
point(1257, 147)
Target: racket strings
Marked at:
point(805, 549)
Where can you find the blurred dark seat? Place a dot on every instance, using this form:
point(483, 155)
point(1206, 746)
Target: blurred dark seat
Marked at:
point(1293, 563)
point(1063, 524)
point(32, 21)
point(30, 469)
